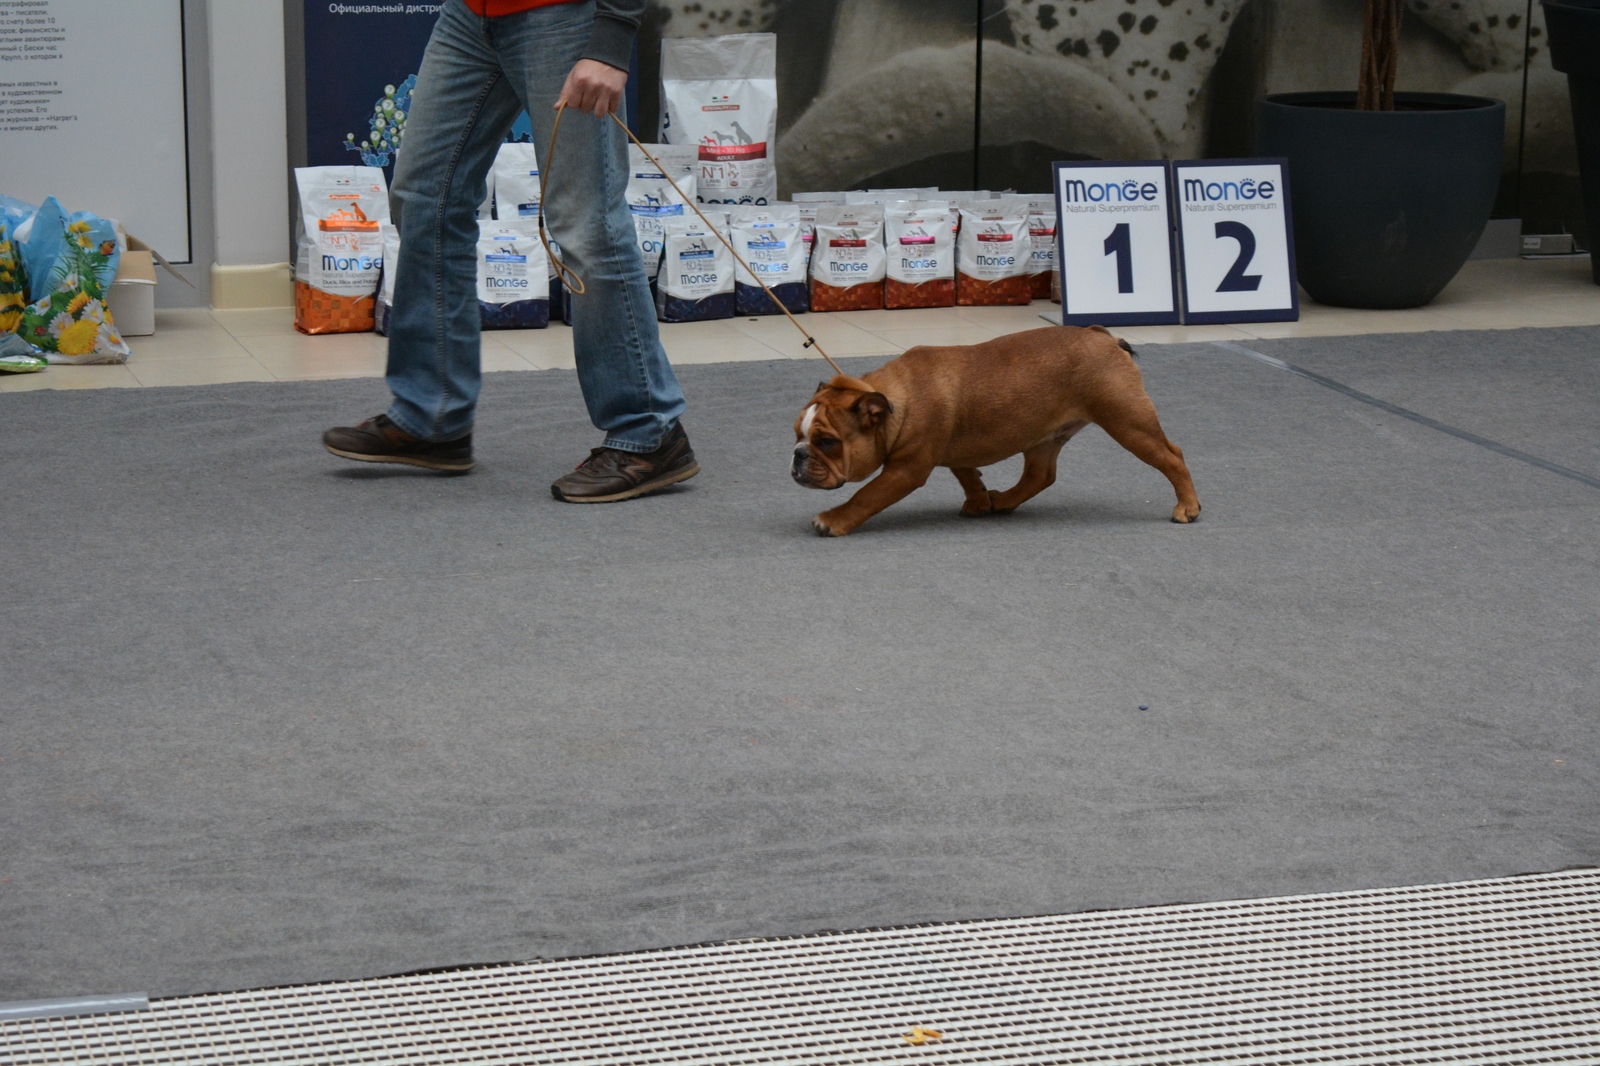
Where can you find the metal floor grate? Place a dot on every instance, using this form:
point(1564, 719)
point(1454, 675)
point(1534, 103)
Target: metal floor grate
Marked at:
point(1496, 971)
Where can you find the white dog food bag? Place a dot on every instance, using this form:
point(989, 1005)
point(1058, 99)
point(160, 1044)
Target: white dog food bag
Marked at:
point(992, 252)
point(809, 203)
point(338, 247)
point(391, 263)
point(889, 196)
point(720, 94)
point(486, 209)
point(695, 282)
point(651, 197)
point(515, 182)
point(1042, 246)
point(768, 238)
point(513, 275)
point(920, 246)
point(847, 259)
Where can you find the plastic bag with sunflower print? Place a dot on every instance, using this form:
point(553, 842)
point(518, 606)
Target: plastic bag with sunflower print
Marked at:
point(13, 277)
point(70, 263)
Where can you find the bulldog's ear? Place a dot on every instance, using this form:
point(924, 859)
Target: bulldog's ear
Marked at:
point(872, 409)
point(820, 386)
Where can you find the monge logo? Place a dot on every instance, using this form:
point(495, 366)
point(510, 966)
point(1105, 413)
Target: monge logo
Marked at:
point(1198, 190)
point(1126, 192)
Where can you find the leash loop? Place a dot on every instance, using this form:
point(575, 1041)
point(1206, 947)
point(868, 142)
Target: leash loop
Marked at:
point(570, 278)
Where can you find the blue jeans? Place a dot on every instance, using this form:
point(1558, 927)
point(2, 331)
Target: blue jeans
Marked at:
point(477, 75)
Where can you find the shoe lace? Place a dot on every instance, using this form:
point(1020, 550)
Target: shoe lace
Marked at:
point(601, 461)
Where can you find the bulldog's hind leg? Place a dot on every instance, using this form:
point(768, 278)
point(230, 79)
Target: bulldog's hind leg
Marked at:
point(979, 501)
point(1133, 424)
point(1038, 474)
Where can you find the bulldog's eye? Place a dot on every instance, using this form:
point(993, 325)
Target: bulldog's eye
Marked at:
point(827, 444)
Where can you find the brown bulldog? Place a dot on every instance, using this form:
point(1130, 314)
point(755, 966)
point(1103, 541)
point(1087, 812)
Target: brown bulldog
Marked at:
point(970, 406)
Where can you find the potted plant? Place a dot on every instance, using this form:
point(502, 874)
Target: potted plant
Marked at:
point(1574, 29)
point(1391, 189)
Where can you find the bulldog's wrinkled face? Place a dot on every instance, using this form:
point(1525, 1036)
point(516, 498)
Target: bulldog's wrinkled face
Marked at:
point(836, 439)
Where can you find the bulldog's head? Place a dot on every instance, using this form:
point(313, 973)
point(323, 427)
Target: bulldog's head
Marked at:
point(837, 435)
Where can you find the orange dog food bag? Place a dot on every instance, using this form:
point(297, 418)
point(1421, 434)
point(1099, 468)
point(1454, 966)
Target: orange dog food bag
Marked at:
point(847, 260)
point(339, 248)
point(920, 244)
point(992, 253)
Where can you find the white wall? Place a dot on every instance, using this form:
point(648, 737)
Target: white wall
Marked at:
point(249, 134)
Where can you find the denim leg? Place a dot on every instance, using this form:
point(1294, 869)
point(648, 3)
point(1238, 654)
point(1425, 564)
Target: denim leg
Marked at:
point(631, 392)
point(461, 110)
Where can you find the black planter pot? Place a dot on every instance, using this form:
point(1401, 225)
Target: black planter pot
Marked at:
point(1574, 29)
point(1387, 204)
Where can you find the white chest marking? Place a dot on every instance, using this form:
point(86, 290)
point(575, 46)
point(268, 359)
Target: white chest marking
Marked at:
point(805, 423)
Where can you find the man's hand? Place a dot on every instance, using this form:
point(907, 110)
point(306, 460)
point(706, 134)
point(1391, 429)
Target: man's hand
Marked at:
point(594, 87)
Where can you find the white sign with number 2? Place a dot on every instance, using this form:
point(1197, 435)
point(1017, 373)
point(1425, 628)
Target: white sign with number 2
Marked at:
point(1114, 229)
point(1233, 221)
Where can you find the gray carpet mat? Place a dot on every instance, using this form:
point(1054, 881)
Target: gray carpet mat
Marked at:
point(267, 717)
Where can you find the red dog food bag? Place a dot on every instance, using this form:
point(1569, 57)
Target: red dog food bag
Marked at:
point(1042, 245)
point(339, 248)
point(847, 259)
point(920, 246)
point(992, 253)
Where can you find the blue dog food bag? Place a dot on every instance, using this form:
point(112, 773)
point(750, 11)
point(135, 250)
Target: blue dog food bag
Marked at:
point(513, 275)
point(696, 278)
point(653, 199)
point(768, 239)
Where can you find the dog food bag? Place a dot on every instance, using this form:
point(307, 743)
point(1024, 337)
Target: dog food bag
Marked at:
point(1042, 246)
point(768, 238)
point(513, 275)
point(515, 177)
point(809, 203)
point(391, 263)
point(339, 248)
point(70, 261)
point(889, 196)
point(992, 253)
point(920, 246)
point(720, 94)
point(695, 282)
point(847, 258)
point(651, 197)
point(486, 209)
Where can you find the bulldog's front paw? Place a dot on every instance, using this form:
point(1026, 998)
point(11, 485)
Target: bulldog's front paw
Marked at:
point(1184, 515)
point(820, 524)
point(832, 524)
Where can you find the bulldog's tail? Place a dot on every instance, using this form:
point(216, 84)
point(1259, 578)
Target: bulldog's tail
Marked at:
point(1124, 345)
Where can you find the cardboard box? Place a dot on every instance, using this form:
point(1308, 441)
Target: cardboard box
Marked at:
point(132, 300)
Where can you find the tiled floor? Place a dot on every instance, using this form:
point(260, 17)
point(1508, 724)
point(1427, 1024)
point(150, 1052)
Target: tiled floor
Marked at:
point(215, 347)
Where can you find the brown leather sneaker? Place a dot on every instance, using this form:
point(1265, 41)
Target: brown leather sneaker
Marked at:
point(610, 474)
point(378, 440)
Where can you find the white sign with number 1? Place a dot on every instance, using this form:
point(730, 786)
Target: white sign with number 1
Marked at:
point(1234, 229)
point(1114, 244)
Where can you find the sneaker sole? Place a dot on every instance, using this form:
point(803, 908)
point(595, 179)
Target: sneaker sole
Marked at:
point(683, 473)
point(447, 465)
